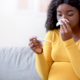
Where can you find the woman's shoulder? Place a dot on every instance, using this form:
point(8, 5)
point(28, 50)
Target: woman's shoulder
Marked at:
point(53, 34)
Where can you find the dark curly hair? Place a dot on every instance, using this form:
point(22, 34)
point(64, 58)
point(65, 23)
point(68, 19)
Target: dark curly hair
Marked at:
point(51, 13)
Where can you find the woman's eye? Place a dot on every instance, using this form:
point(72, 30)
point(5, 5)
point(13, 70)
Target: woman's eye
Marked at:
point(70, 14)
point(59, 14)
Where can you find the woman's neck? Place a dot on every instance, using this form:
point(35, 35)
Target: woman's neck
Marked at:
point(76, 33)
point(76, 30)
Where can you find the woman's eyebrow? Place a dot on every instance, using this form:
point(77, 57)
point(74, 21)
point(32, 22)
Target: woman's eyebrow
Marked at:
point(70, 10)
point(67, 11)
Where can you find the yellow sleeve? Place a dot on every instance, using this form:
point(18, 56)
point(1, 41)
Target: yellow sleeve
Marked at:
point(74, 55)
point(44, 60)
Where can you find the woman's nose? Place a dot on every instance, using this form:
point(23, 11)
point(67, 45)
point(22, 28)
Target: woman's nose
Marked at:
point(64, 17)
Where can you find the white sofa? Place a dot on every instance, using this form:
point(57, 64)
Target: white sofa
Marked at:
point(17, 63)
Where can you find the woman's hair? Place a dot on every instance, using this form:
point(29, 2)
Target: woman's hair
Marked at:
point(51, 13)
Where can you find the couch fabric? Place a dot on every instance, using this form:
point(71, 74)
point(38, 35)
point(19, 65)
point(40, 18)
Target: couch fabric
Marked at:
point(17, 63)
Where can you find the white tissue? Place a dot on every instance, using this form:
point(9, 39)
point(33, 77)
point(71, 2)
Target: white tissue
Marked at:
point(59, 23)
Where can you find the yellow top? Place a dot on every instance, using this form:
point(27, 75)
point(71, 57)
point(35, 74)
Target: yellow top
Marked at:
point(60, 60)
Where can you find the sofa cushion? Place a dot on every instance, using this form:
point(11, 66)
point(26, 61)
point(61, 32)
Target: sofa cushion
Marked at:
point(17, 63)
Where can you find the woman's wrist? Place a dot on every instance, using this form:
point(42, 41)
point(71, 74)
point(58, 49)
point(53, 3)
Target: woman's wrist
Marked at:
point(41, 51)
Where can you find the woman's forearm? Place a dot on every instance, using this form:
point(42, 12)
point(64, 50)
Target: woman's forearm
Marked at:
point(42, 66)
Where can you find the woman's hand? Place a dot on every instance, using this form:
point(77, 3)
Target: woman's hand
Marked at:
point(35, 45)
point(65, 30)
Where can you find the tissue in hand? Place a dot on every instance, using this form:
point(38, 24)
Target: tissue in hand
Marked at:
point(59, 23)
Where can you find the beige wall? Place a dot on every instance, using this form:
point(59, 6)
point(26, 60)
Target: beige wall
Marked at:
point(16, 29)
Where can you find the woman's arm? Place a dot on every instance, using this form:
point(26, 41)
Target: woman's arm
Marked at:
point(72, 49)
point(74, 55)
point(44, 60)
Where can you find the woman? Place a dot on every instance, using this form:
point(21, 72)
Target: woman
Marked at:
point(60, 60)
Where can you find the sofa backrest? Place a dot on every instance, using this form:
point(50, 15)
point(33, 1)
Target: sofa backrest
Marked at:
point(17, 63)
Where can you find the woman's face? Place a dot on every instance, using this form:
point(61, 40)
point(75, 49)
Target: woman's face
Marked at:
point(68, 12)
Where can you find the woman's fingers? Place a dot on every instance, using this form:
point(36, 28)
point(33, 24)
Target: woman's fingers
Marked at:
point(65, 30)
point(64, 27)
point(67, 25)
point(61, 29)
point(34, 43)
point(32, 38)
point(33, 48)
